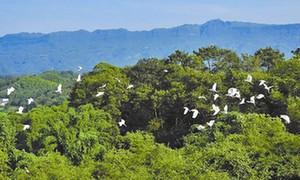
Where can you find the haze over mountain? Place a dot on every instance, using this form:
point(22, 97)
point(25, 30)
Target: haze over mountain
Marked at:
point(26, 53)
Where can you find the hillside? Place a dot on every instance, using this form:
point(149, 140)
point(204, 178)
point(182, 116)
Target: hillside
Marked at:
point(26, 53)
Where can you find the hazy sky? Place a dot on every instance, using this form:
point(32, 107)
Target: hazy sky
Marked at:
point(58, 15)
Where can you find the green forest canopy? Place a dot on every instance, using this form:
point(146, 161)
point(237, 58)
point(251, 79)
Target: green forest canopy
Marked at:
point(75, 135)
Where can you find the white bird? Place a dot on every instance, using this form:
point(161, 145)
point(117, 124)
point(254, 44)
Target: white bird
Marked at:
point(195, 113)
point(30, 100)
point(78, 78)
point(242, 101)
point(20, 111)
point(122, 123)
point(216, 96)
point(210, 123)
point(216, 109)
point(267, 87)
point(200, 127)
point(99, 94)
point(27, 171)
point(166, 71)
point(202, 97)
point(286, 118)
point(103, 86)
point(214, 87)
point(261, 82)
point(79, 68)
point(225, 109)
point(260, 96)
point(252, 100)
point(249, 79)
point(117, 79)
point(59, 88)
point(130, 86)
point(26, 126)
point(186, 110)
point(10, 90)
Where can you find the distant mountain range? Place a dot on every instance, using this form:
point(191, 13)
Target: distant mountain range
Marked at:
point(27, 53)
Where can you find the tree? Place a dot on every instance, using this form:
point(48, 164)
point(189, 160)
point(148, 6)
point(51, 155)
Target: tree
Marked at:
point(269, 57)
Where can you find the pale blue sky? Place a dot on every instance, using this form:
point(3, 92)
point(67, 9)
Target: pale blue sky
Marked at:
point(59, 15)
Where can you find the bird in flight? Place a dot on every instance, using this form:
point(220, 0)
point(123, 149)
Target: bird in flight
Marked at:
point(202, 97)
point(130, 86)
point(79, 68)
point(186, 110)
point(252, 100)
point(260, 96)
point(261, 82)
point(78, 78)
point(249, 79)
point(242, 101)
point(122, 123)
point(195, 113)
point(216, 96)
point(216, 109)
point(26, 126)
point(210, 123)
point(20, 111)
point(103, 86)
point(30, 100)
point(59, 89)
point(286, 118)
point(10, 90)
point(214, 87)
point(200, 127)
point(267, 87)
point(225, 109)
point(99, 94)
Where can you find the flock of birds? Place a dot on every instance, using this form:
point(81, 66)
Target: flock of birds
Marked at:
point(233, 93)
point(59, 90)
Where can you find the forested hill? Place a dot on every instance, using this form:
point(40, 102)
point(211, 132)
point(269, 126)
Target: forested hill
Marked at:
point(35, 52)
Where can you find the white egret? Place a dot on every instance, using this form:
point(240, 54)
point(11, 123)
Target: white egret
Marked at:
point(216, 96)
point(103, 86)
point(261, 82)
point(30, 100)
point(10, 90)
point(3, 101)
point(79, 68)
point(165, 70)
point(99, 94)
point(27, 171)
point(118, 79)
point(26, 126)
point(260, 96)
point(225, 109)
point(122, 123)
point(242, 101)
point(286, 118)
point(20, 110)
point(210, 123)
point(267, 87)
point(195, 113)
point(249, 79)
point(214, 87)
point(59, 89)
point(186, 110)
point(130, 86)
point(78, 78)
point(252, 100)
point(216, 109)
point(200, 127)
point(202, 97)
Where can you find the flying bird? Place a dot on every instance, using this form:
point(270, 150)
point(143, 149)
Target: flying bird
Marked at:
point(200, 127)
point(252, 100)
point(78, 78)
point(122, 123)
point(117, 79)
point(216, 109)
point(59, 89)
point(30, 100)
point(20, 111)
point(130, 86)
point(99, 94)
point(210, 123)
point(214, 87)
point(202, 97)
point(242, 101)
point(225, 109)
point(26, 126)
point(249, 79)
point(261, 82)
point(216, 96)
point(186, 110)
point(79, 68)
point(195, 113)
point(10, 90)
point(260, 96)
point(286, 118)
point(103, 86)
point(267, 87)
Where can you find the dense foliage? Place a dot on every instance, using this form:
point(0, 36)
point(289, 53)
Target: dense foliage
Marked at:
point(75, 135)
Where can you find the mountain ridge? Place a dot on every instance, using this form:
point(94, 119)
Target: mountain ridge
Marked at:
point(31, 53)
